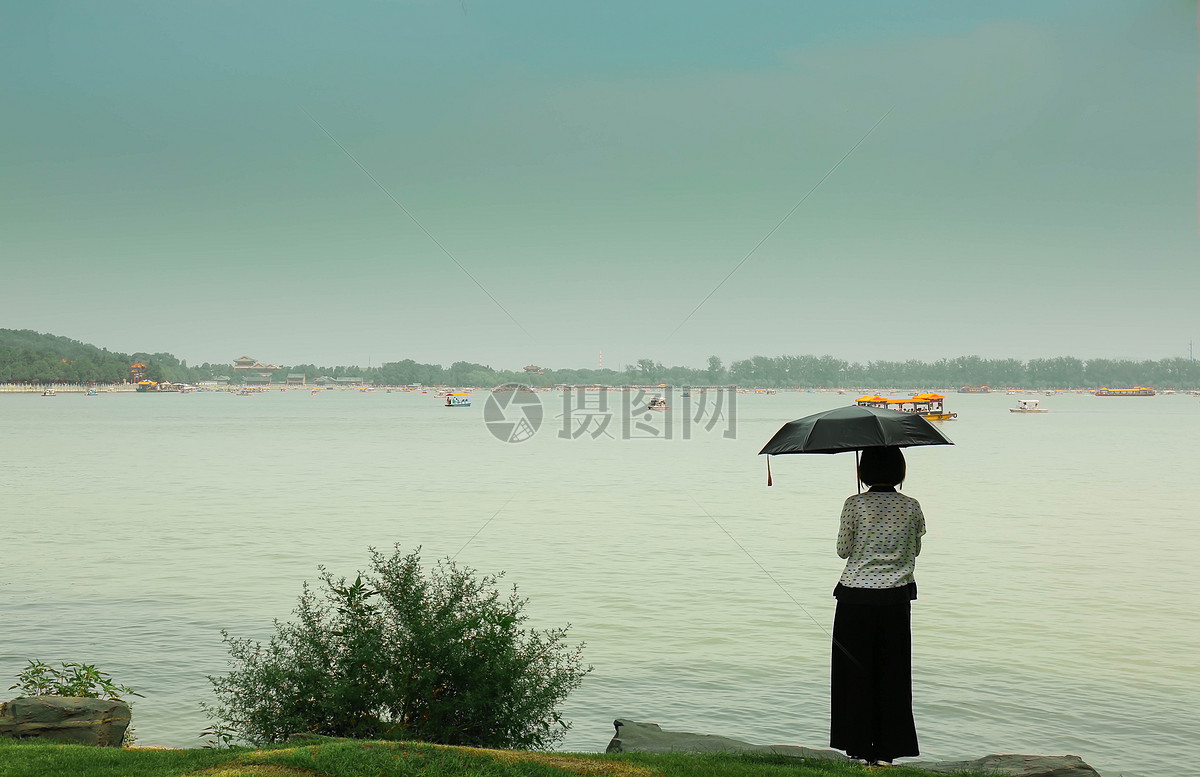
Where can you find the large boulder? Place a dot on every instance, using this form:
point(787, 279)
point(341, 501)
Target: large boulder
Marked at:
point(65, 719)
point(633, 737)
point(1013, 765)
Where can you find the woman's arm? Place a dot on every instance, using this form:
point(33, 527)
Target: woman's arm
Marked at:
point(845, 538)
point(920, 530)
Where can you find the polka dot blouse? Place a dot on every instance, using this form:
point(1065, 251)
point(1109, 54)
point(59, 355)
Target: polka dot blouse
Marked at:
point(880, 538)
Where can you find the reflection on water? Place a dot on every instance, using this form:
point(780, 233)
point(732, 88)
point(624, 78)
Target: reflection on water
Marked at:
point(1055, 581)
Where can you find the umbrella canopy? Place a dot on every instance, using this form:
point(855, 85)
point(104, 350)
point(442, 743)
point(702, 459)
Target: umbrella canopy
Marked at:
point(854, 428)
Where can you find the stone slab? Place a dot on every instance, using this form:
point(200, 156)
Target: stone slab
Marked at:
point(635, 737)
point(65, 719)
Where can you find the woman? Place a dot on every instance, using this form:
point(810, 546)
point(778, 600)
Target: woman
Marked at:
point(871, 683)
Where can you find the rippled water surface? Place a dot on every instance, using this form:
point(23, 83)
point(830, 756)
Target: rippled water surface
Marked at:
point(1058, 578)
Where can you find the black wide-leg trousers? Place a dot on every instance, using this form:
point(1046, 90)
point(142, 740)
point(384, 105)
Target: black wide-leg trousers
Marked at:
point(871, 688)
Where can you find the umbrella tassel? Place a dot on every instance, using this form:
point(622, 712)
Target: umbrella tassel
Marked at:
point(769, 483)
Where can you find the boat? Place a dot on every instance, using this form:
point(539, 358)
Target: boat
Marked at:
point(656, 403)
point(930, 405)
point(927, 405)
point(974, 389)
point(49, 393)
point(458, 399)
point(90, 393)
point(1136, 391)
point(1027, 406)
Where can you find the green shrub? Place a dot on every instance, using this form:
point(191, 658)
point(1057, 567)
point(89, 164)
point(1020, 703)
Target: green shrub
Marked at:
point(72, 679)
point(403, 653)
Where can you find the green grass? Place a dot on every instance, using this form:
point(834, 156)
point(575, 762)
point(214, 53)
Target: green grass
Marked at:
point(349, 758)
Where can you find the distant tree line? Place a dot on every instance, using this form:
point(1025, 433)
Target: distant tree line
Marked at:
point(30, 357)
point(1066, 372)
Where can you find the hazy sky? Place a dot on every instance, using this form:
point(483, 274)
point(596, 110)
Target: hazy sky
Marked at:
point(599, 169)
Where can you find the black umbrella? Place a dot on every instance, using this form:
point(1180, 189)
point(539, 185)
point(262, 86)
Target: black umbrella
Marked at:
point(852, 429)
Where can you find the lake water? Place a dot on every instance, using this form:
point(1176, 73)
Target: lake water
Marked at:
point(1058, 582)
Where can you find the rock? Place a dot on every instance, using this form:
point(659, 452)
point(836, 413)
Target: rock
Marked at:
point(633, 737)
point(65, 719)
point(1015, 766)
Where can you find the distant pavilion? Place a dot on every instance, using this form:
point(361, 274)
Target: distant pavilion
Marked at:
point(256, 373)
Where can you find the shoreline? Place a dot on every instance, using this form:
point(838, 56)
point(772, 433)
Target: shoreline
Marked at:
point(28, 388)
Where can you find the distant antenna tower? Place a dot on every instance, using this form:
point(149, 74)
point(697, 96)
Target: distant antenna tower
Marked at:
point(602, 358)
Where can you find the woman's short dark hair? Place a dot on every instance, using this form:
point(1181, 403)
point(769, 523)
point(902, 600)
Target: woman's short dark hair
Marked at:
point(881, 466)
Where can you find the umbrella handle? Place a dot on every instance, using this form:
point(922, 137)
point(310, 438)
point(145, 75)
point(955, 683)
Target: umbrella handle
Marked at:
point(769, 483)
point(857, 482)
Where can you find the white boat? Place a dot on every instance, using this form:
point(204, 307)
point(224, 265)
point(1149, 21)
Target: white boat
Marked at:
point(458, 399)
point(656, 403)
point(49, 393)
point(1027, 406)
